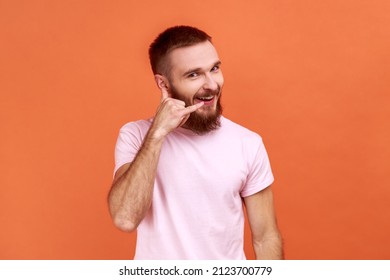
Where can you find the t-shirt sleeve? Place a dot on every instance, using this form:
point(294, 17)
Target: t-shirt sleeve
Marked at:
point(259, 170)
point(127, 145)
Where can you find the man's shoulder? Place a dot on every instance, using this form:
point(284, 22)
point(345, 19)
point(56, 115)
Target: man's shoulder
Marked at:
point(137, 125)
point(238, 130)
point(135, 130)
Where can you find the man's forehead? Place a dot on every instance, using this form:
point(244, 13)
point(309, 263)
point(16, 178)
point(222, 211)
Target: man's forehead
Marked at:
point(197, 56)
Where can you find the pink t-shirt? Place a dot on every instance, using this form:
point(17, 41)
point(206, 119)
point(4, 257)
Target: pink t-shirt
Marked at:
point(197, 210)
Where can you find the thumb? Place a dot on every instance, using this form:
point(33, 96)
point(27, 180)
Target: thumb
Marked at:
point(164, 94)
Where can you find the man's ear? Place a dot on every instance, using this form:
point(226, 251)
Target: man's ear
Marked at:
point(161, 81)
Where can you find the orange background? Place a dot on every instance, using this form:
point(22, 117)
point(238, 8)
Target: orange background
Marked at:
point(312, 77)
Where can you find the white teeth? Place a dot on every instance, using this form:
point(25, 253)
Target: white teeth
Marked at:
point(206, 98)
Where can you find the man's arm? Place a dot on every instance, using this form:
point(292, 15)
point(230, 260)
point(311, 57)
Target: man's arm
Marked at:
point(131, 193)
point(132, 188)
point(266, 238)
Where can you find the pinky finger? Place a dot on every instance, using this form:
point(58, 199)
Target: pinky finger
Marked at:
point(192, 108)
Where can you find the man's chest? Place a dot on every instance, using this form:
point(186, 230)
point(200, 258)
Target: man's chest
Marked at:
point(199, 166)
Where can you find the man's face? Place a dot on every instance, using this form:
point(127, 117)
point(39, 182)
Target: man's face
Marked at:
point(195, 77)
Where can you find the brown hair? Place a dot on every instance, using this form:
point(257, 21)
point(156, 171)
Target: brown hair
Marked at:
point(173, 38)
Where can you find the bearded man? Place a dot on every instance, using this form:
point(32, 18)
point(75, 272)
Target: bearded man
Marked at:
point(182, 177)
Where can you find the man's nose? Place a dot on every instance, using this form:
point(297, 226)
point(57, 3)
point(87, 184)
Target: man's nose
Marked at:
point(209, 83)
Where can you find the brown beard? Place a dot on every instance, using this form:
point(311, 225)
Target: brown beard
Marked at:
point(199, 123)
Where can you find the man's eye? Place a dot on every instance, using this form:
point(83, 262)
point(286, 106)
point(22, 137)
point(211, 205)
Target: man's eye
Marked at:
point(192, 75)
point(215, 68)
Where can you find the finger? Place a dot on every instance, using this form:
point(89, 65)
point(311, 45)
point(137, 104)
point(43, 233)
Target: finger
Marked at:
point(169, 101)
point(164, 94)
point(192, 108)
point(185, 118)
point(178, 102)
point(189, 110)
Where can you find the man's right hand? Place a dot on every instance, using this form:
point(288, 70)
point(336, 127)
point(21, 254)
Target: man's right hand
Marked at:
point(171, 114)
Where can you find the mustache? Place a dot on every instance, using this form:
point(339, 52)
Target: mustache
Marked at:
point(208, 92)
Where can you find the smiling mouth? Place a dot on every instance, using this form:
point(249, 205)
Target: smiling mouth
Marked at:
point(207, 100)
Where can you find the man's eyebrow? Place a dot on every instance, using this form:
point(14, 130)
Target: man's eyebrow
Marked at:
point(199, 69)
